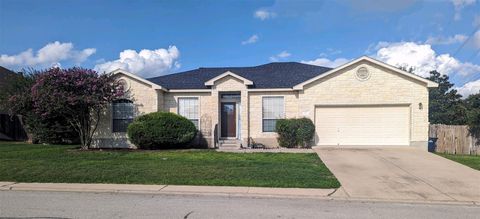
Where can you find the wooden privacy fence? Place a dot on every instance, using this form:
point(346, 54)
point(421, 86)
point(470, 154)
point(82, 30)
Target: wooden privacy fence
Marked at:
point(454, 139)
point(11, 128)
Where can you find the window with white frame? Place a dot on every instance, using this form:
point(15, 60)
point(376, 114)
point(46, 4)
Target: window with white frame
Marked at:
point(123, 113)
point(188, 108)
point(272, 110)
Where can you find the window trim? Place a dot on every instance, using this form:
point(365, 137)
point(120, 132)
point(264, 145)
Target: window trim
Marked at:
point(112, 111)
point(199, 108)
point(284, 112)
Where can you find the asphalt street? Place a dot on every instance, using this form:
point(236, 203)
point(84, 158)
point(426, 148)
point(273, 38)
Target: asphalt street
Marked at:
point(30, 204)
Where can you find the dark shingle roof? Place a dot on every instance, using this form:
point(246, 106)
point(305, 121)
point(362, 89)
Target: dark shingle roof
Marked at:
point(272, 75)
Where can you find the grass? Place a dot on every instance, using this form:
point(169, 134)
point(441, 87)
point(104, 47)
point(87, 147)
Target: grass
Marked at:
point(22, 162)
point(472, 161)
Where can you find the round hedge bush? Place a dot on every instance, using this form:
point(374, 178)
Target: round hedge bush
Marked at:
point(160, 130)
point(295, 132)
point(305, 131)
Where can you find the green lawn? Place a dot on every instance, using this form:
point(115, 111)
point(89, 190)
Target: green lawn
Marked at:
point(472, 161)
point(53, 163)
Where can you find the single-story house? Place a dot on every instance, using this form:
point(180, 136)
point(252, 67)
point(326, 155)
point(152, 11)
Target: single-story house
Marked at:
point(362, 103)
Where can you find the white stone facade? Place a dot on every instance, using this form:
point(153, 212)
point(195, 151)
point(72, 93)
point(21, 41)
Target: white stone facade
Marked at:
point(341, 86)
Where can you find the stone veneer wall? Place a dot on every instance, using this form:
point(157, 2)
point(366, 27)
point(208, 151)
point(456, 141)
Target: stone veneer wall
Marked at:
point(146, 100)
point(269, 139)
point(383, 87)
point(207, 106)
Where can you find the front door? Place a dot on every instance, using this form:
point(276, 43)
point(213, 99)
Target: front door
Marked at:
point(229, 124)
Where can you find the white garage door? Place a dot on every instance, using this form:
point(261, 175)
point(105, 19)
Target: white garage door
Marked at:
point(362, 125)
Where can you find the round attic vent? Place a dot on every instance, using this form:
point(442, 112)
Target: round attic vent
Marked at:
point(362, 74)
point(124, 84)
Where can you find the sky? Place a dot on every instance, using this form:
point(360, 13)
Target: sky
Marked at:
point(152, 38)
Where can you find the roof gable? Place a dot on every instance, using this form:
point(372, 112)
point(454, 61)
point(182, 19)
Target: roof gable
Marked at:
point(133, 76)
point(427, 82)
point(212, 81)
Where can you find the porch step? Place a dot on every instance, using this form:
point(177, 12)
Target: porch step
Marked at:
point(229, 144)
point(228, 140)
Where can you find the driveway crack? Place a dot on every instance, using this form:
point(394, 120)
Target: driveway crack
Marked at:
point(188, 214)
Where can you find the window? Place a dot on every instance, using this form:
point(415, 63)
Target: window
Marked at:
point(123, 114)
point(231, 96)
point(188, 108)
point(272, 110)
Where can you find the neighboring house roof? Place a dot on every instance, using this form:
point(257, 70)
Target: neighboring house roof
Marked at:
point(4, 73)
point(272, 75)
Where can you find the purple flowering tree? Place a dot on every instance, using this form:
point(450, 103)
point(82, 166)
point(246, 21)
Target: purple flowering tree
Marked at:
point(77, 95)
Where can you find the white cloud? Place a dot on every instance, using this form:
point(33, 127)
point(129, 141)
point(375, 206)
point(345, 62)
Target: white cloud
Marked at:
point(250, 40)
point(280, 56)
point(330, 52)
point(476, 21)
point(457, 38)
point(472, 87)
point(146, 63)
point(327, 62)
point(379, 5)
point(284, 54)
point(263, 14)
point(459, 5)
point(49, 55)
point(476, 39)
point(423, 58)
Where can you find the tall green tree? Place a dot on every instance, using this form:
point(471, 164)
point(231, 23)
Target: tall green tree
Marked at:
point(16, 99)
point(13, 83)
point(64, 101)
point(77, 96)
point(473, 114)
point(446, 105)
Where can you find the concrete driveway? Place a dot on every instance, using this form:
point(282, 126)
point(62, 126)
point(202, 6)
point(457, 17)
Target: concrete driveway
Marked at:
point(400, 174)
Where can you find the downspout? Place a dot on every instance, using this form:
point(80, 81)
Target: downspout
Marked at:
point(248, 117)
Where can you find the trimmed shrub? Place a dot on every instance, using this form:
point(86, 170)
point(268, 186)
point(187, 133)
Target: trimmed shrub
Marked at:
point(161, 130)
point(287, 133)
point(294, 132)
point(305, 131)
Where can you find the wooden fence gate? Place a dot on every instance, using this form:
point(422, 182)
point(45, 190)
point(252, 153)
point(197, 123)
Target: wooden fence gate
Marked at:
point(454, 139)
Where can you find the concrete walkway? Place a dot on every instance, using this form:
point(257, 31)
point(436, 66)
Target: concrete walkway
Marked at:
point(401, 174)
point(169, 189)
